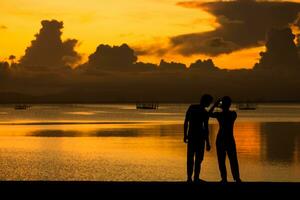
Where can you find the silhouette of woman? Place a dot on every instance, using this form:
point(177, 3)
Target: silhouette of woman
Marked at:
point(225, 139)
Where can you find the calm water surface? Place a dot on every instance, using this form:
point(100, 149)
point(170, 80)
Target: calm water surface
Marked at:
point(120, 143)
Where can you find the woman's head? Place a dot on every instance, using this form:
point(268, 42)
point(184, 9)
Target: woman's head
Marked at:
point(226, 103)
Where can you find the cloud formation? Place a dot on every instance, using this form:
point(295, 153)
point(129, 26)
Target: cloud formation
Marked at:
point(4, 67)
point(48, 51)
point(112, 57)
point(171, 66)
point(113, 74)
point(205, 65)
point(115, 58)
point(281, 51)
point(4, 74)
point(243, 24)
point(3, 27)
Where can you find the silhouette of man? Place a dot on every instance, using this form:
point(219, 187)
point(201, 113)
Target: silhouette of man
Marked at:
point(225, 139)
point(195, 135)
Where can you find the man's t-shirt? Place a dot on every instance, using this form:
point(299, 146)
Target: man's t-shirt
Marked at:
point(197, 116)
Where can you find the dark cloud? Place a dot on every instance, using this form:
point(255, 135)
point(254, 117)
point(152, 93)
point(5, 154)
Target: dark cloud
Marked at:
point(281, 51)
point(204, 43)
point(144, 67)
point(4, 75)
point(3, 27)
point(48, 51)
point(205, 65)
point(116, 58)
point(4, 67)
point(113, 74)
point(171, 66)
point(156, 49)
point(243, 24)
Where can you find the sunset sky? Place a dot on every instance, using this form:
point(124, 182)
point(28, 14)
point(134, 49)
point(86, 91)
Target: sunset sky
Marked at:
point(139, 23)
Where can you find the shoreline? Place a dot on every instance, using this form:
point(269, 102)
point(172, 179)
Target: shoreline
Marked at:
point(166, 188)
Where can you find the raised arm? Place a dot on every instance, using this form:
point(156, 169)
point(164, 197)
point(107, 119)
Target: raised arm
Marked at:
point(211, 110)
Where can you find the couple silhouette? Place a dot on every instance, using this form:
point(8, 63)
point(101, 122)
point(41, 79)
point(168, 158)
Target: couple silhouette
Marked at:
point(196, 135)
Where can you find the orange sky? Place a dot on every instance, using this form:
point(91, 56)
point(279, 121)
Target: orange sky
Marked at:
point(92, 22)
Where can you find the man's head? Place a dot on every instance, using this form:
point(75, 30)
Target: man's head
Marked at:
point(206, 100)
point(226, 103)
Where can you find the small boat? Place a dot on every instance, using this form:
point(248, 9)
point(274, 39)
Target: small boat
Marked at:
point(247, 106)
point(21, 107)
point(148, 106)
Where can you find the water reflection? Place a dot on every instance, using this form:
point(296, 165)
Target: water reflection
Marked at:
point(117, 133)
point(170, 130)
point(141, 151)
point(105, 130)
point(80, 113)
point(125, 132)
point(279, 141)
point(54, 133)
point(248, 140)
point(272, 142)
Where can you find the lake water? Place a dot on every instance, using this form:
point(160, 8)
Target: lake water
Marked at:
point(120, 143)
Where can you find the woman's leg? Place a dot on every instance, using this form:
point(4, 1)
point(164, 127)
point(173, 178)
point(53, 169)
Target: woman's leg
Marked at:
point(232, 155)
point(221, 152)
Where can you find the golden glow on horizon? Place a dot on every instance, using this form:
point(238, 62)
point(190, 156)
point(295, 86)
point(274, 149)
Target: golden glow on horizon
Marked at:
point(94, 22)
point(245, 58)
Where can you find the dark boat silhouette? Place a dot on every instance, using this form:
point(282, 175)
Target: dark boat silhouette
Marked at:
point(247, 106)
point(21, 107)
point(148, 106)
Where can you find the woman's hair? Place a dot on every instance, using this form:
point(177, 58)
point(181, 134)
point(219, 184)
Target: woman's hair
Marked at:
point(226, 102)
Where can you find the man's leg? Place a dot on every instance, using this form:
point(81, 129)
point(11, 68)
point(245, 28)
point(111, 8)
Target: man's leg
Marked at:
point(232, 155)
point(190, 161)
point(198, 160)
point(221, 152)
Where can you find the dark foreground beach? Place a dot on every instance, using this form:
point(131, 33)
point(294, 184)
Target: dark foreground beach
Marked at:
point(149, 189)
